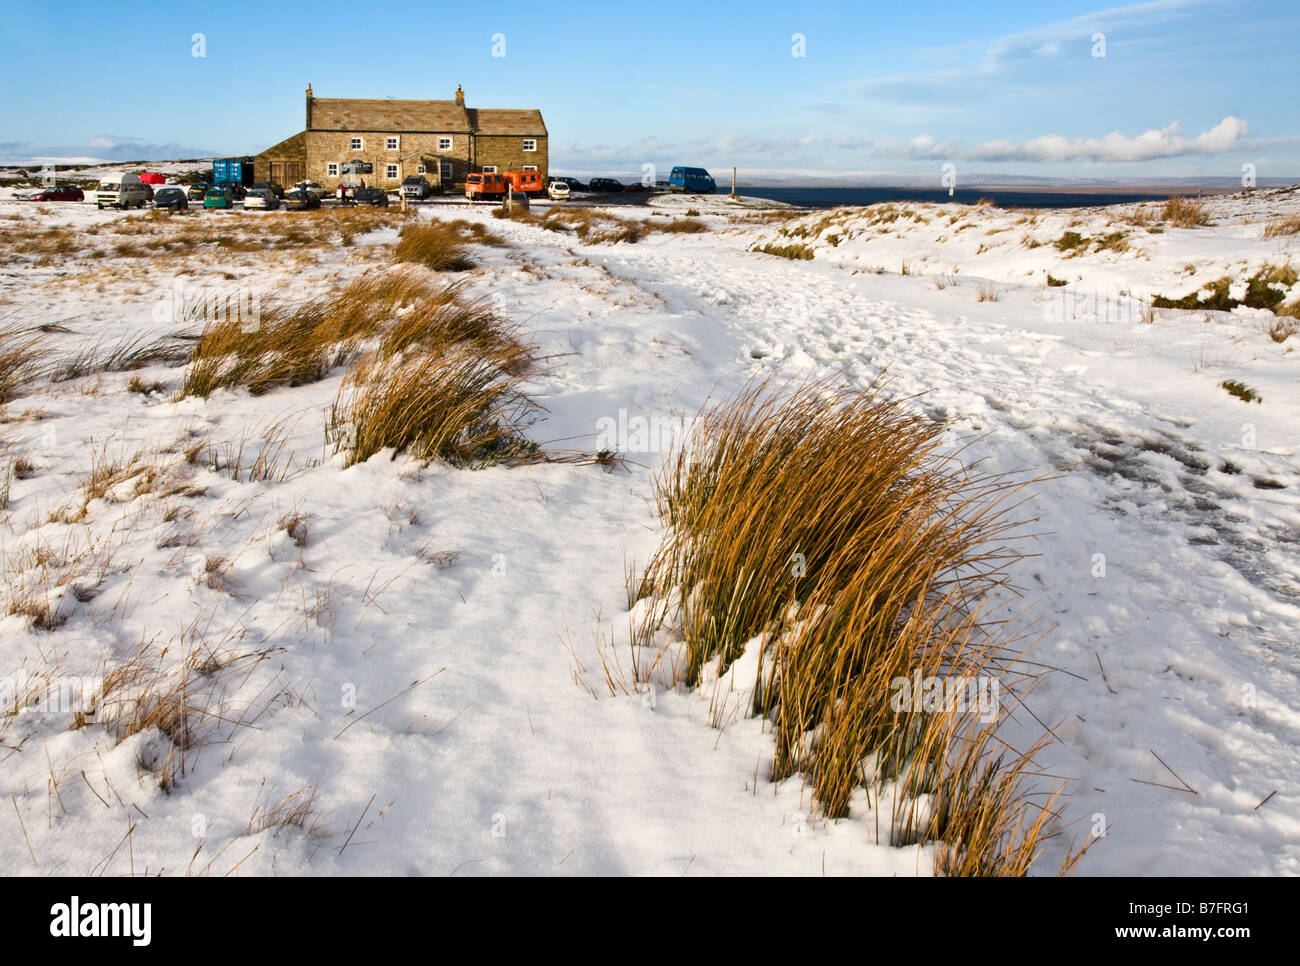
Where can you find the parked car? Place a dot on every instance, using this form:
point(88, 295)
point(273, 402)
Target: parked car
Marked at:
point(263, 198)
point(636, 186)
point(376, 197)
point(558, 191)
point(696, 180)
point(171, 198)
point(218, 198)
point(274, 187)
point(198, 190)
point(416, 186)
point(300, 199)
point(121, 191)
point(573, 183)
point(311, 187)
point(607, 184)
point(60, 192)
point(235, 189)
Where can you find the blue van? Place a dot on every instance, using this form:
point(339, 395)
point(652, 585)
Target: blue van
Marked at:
point(696, 180)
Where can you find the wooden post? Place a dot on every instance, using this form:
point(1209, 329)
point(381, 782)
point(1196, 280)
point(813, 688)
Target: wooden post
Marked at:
point(733, 182)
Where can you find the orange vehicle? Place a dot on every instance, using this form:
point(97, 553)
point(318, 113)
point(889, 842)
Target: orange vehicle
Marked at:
point(484, 187)
point(528, 182)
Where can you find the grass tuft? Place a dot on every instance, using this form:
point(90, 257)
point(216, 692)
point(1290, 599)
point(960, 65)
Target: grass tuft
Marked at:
point(825, 528)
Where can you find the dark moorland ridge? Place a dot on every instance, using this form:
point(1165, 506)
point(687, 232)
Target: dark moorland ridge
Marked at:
point(1015, 197)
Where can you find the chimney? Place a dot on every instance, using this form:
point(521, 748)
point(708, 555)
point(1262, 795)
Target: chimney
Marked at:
point(460, 96)
point(309, 106)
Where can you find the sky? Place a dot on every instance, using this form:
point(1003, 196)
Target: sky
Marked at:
point(1054, 89)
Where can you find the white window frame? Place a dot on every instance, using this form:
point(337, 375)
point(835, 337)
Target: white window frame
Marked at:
point(445, 170)
point(393, 142)
point(332, 169)
point(392, 172)
point(419, 169)
point(489, 169)
point(528, 141)
point(529, 167)
point(356, 144)
point(445, 146)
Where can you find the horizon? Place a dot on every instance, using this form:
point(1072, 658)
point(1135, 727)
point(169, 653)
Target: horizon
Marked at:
point(1039, 92)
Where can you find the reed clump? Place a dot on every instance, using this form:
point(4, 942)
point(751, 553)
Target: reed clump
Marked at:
point(829, 530)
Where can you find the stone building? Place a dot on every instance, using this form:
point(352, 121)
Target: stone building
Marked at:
point(442, 140)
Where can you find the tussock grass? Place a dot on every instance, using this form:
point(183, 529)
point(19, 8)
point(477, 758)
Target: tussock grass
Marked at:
point(1264, 290)
point(1282, 226)
point(43, 579)
point(291, 346)
point(797, 252)
point(438, 245)
point(295, 810)
point(1183, 212)
point(1281, 329)
point(142, 694)
point(1241, 391)
point(825, 528)
point(445, 318)
point(20, 360)
point(1072, 242)
point(452, 406)
point(682, 226)
point(595, 227)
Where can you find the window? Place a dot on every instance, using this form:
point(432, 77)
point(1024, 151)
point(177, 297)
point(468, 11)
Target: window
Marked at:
point(390, 172)
point(530, 144)
point(355, 144)
point(420, 170)
point(489, 169)
point(392, 143)
point(332, 169)
point(446, 171)
point(444, 144)
point(530, 167)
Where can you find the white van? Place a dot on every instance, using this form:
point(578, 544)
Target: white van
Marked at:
point(121, 191)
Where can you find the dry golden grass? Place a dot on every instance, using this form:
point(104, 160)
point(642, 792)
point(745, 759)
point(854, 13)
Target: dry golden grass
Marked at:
point(1282, 226)
point(295, 810)
point(452, 405)
point(443, 318)
point(400, 309)
point(438, 245)
point(827, 524)
point(20, 360)
point(682, 226)
point(1281, 329)
point(1183, 212)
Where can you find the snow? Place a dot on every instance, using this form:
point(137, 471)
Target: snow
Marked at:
point(511, 754)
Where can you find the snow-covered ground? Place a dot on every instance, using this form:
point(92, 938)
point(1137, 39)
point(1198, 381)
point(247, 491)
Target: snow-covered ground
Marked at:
point(1166, 575)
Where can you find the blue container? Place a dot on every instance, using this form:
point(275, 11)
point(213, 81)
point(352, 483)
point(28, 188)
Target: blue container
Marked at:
point(232, 171)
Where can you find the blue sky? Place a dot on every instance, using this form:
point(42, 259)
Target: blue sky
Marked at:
point(1184, 89)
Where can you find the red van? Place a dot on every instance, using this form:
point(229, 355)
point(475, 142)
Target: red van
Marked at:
point(528, 182)
point(485, 187)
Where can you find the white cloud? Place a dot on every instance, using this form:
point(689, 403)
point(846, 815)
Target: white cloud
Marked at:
point(1001, 54)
